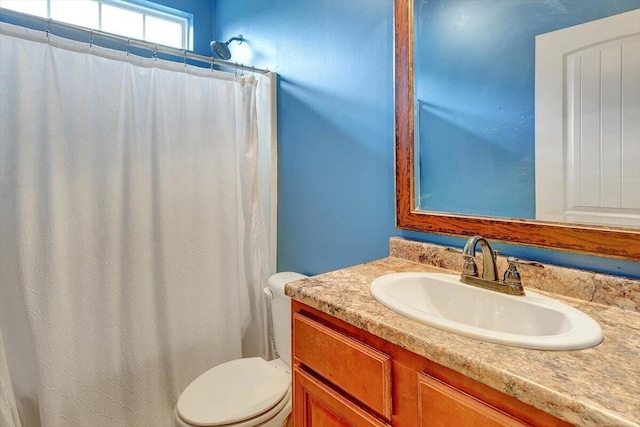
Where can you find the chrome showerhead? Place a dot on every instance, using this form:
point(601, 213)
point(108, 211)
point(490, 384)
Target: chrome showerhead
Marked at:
point(221, 50)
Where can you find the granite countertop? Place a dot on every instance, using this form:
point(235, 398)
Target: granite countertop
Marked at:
point(599, 386)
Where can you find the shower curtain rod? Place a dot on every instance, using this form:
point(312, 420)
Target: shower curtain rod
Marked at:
point(155, 48)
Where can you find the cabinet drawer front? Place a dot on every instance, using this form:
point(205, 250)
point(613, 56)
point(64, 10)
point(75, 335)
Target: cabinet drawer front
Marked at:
point(444, 406)
point(317, 404)
point(357, 369)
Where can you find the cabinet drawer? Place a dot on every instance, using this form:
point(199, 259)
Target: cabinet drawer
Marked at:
point(359, 370)
point(442, 405)
point(319, 405)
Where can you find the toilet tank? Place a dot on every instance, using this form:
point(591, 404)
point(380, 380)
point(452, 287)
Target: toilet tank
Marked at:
point(281, 312)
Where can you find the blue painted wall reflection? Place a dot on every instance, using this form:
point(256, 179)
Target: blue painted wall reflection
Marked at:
point(474, 86)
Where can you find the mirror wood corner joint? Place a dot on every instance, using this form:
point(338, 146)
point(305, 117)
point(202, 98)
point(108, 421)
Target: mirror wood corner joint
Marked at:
point(591, 240)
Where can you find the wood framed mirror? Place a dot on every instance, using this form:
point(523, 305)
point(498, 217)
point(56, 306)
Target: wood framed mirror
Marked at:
point(622, 243)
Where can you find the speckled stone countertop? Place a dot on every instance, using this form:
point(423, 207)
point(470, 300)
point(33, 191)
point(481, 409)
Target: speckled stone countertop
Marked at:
point(599, 386)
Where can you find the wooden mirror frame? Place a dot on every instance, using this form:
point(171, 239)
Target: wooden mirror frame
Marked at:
point(593, 240)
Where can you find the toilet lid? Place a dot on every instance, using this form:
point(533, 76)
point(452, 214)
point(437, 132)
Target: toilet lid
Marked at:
point(233, 392)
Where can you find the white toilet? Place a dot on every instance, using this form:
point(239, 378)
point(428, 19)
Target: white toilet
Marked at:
point(246, 392)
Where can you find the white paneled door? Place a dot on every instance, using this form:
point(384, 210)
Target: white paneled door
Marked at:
point(588, 122)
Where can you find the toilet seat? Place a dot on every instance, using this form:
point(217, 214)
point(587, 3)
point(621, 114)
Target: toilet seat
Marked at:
point(275, 417)
point(241, 393)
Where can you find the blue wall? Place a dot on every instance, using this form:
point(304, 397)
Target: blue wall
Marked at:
point(335, 123)
point(475, 72)
point(336, 130)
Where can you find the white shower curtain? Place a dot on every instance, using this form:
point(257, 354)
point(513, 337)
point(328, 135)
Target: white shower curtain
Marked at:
point(9, 416)
point(133, 240)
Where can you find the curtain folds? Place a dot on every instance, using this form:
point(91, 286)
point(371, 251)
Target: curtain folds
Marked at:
point(134, 239)
point(9, 415)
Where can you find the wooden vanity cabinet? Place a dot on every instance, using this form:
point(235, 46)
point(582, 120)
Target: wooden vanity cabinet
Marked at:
point(345, 376)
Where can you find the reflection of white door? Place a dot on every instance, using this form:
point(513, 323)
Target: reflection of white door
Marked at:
point(588, 122)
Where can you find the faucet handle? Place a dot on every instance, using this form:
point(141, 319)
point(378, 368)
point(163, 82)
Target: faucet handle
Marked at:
point(469, 268)
point(512, 275)
point(451, 249)
point(513, 261)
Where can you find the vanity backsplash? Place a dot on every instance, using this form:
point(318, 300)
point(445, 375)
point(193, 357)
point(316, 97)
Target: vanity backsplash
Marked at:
point(585, 285)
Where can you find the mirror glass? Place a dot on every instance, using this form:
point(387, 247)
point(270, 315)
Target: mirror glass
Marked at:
point(475, 112)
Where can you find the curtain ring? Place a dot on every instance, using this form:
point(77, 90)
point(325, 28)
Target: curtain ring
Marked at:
point(155, 52)
point(128, 46)
point(185, 58)
point(235, 72)
point(48, 28)
point(212, 61)
point(241, 70)
point(91, 40)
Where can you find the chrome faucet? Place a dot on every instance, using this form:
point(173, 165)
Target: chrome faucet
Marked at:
point(489, 269)
point(511, 283)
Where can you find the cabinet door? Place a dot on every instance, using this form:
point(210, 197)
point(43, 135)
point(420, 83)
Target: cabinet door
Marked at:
point(356, 369)
point(318, 405)
point(444, 406)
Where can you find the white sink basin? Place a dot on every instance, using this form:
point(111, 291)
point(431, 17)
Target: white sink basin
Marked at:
point(532, 321)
